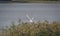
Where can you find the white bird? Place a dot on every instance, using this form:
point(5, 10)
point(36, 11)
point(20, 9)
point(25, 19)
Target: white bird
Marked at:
point(30, 19)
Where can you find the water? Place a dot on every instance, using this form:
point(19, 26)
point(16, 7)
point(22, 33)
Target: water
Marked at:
point(41, 11)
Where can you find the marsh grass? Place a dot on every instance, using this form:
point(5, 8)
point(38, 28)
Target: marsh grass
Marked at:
point(33, 29)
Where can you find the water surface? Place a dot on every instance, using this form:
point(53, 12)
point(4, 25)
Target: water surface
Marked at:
point(41, 11)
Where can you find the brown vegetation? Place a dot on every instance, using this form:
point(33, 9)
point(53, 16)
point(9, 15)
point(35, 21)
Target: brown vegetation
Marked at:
point(34, 29)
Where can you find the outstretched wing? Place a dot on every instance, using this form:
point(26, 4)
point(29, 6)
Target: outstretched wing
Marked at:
point(28, 17)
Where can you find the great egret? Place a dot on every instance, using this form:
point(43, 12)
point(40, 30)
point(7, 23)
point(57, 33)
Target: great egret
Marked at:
point(30, 19)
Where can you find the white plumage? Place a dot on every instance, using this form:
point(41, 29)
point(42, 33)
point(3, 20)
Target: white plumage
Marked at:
point(30, 19)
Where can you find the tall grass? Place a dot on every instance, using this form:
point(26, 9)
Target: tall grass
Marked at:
point(34, 29)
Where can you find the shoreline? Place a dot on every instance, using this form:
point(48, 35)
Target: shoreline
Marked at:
point(30, 2)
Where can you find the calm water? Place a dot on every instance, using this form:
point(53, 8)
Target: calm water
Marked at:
point(41, 11)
